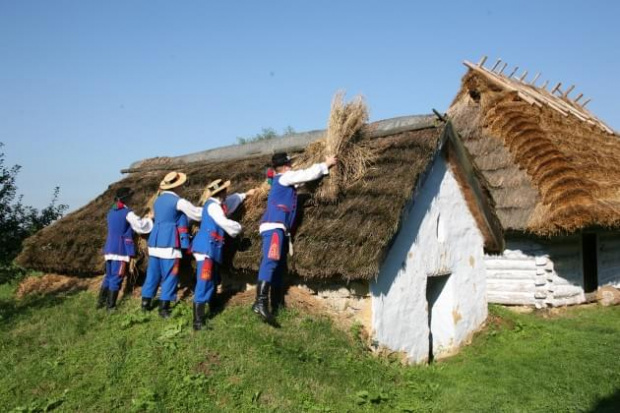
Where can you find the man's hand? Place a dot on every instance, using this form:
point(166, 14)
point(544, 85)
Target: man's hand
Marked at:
point(331, 161)
point(149, 215)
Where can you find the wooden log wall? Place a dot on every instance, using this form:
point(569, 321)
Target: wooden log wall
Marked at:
point(609, 259)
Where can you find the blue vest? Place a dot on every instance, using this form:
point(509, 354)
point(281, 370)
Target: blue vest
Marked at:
point(170, 226)
point(120, 234)
point(210, 237)
point(281, 204)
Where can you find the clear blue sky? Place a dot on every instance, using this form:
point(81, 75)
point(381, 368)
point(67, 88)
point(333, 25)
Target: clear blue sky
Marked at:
point(87, 87)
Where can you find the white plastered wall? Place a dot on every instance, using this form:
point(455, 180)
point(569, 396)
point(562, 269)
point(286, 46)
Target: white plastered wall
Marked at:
point(439, 236)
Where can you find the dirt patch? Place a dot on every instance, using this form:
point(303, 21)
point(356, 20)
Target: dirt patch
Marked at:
point(52, 284)
point(209, 364)
point(495, 322)
point(300, 299)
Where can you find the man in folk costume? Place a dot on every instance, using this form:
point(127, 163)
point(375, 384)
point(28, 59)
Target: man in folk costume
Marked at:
point(275, 227)
point(168, 238)
point(119, 246)
point(208, 243)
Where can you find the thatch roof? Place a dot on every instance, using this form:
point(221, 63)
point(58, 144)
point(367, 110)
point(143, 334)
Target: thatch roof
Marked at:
point(348, 239)
point(550, 165)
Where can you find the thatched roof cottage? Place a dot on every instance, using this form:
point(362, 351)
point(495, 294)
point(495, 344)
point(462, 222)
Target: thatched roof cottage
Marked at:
point(407, 239)
point(553, 171)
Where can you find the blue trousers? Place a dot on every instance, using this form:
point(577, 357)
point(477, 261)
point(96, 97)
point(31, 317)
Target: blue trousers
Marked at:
point(165, 272)
point(275, 250)
point(114, 274)
point(207, 279)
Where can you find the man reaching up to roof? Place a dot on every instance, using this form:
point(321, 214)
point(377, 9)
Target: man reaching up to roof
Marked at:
point(168, 237)
point(275, 228)
point(119, 246)
point(208, 244)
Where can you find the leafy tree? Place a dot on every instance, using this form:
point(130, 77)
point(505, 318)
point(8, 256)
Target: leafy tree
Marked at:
point(265, 134)
point(19, 221)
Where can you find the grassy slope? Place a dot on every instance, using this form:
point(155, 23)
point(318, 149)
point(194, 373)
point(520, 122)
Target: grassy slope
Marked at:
point(61, 353)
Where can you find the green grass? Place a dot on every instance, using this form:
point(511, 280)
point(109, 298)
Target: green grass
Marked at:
point(59, 353)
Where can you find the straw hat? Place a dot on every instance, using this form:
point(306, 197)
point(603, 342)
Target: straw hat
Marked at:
point(217, 186)
point(172, 180)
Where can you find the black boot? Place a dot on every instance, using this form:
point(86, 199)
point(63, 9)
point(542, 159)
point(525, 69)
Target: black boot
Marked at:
point(255, 305)
point(164, 309)
point(261, 307)
point(277, 299)
point(146, 304)
point(199, 316)
point(112, 297)
point(103, 296)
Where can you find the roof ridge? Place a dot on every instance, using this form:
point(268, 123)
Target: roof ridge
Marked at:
point(291, 142)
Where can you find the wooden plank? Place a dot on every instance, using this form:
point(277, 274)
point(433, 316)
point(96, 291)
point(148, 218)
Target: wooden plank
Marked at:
point(509, 265)
point(482, 61)
point(511, 274)
point(521, 298)
point(512, 286)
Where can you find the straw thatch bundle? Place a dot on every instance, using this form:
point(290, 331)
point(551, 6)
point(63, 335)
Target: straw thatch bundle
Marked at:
point(344, 129)
point(547, 173)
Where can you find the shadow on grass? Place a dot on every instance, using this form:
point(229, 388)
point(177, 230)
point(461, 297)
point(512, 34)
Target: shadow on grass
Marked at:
point(608, 404)
point(12, 308)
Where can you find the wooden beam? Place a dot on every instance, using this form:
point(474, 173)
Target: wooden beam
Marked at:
point(556, 88)
point(502, 69)
point(513, 72)
point(570, 89)
point(523, 76)
point(533, 82)
point(583, 105)
point(578, 97)
point(496, 64)
point(482, 61)
point(544, 85)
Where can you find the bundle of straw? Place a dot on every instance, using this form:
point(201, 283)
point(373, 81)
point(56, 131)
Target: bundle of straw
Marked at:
point(346, 125)
point(255, 205)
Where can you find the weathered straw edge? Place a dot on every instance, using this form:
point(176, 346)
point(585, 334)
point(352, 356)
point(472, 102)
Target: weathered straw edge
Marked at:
point(293, 142)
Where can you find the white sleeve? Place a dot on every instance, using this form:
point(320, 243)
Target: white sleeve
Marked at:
point(316, 171)
point(233, 201)
point(193, 212)
point(232, 228)
point(140, 225)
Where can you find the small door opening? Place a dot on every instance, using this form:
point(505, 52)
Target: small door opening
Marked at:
point(590, 263)
point(434, 287)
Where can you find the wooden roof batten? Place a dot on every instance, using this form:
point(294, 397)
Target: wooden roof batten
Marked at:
point(539, 96)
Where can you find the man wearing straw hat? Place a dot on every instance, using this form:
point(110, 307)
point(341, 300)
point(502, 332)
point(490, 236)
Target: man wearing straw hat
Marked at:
point(275, 227)
point(208, 244)
point(119, 246)
point(166, 240)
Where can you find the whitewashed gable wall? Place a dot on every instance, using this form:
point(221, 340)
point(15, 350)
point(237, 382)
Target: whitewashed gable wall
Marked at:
point(438, 236)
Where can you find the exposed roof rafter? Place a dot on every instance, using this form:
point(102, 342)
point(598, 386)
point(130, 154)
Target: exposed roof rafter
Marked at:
point(539, 96)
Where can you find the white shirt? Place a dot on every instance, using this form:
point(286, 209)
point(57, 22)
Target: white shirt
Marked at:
point(290, 178)
point(194, 213)
point(139, 225)
point(215, 211)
